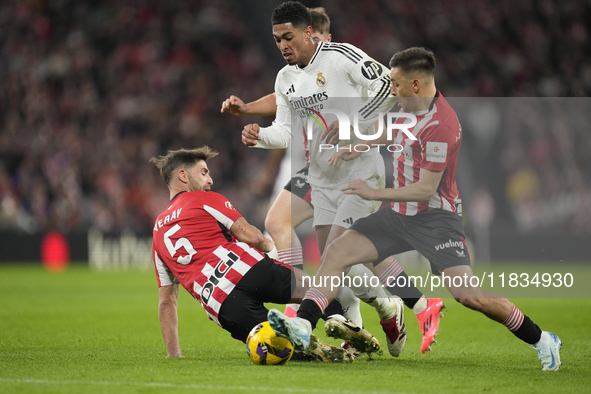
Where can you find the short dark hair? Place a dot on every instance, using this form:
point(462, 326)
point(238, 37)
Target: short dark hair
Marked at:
point(184, 158)
point(292, 12)
point(414, 59)
point(320, 20)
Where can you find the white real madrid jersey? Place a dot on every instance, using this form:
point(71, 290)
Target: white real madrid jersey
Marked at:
point(339, 77)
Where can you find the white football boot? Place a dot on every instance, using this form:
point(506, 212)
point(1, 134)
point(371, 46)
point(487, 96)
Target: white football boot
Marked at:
point(295, 329)
point(394, 327)
point(548, 348)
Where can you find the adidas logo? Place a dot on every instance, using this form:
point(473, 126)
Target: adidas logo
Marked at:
point(290, 90)
point(427, 325)
point(348, 220)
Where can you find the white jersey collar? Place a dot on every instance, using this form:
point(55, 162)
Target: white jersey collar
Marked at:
point(318, 48)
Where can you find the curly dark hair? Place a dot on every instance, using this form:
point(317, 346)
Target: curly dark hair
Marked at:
point(292, 12)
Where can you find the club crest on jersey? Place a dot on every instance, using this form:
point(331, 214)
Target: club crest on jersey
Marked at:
point(320, 80)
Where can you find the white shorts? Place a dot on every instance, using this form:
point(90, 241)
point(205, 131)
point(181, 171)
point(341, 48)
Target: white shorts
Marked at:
point(333, 207)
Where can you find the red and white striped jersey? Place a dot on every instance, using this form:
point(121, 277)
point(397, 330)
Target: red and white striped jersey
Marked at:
point(439, 135)
point(192, 245)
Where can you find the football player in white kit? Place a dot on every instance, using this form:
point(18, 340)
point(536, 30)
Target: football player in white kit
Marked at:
point(291, 193)
point(319, 74)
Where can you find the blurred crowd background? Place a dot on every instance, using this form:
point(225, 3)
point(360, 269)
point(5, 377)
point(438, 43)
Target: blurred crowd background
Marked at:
point(92, 89)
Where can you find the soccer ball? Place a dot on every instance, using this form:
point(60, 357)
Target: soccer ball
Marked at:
point(264, 347)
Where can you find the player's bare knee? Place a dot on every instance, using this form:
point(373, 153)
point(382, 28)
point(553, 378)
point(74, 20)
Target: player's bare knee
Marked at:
point(270, 225)
point(277, 227)
point(338, 254)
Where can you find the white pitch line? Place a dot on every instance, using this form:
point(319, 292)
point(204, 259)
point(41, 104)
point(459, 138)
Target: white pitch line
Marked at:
point(194, 386)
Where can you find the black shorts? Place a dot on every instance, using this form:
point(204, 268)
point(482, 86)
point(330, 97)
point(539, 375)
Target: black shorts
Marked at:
point(438, 235)
point(267, 281)
point(299, 185)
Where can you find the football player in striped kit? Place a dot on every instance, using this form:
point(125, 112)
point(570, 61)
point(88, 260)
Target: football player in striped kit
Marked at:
point(202, 243)
point(425, 213)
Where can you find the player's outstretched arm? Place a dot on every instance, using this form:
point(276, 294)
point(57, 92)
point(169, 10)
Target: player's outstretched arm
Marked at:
point(421, 191)
point(265, 106)
point(169, 321)
point(251, 235)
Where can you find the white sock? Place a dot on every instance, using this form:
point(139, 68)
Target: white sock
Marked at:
point(372, 295)
point(350, 305)
point(420, 306)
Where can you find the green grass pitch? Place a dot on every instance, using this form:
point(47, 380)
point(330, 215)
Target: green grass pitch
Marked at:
point(97, 332)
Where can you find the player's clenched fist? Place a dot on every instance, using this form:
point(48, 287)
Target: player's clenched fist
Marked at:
point(267, 245)
point(250, 134)
point(234, 106)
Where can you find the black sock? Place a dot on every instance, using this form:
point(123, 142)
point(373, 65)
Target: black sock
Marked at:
point(407, 291)
point(310, 311)
point(334, 308)
point(529, 331)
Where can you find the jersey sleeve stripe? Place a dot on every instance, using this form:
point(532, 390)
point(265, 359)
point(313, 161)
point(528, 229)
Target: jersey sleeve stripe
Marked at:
point(377, 100)
point(220, 217)
point(347, 55)
point(345, 48)
point(165, 276)
point(431, 124)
